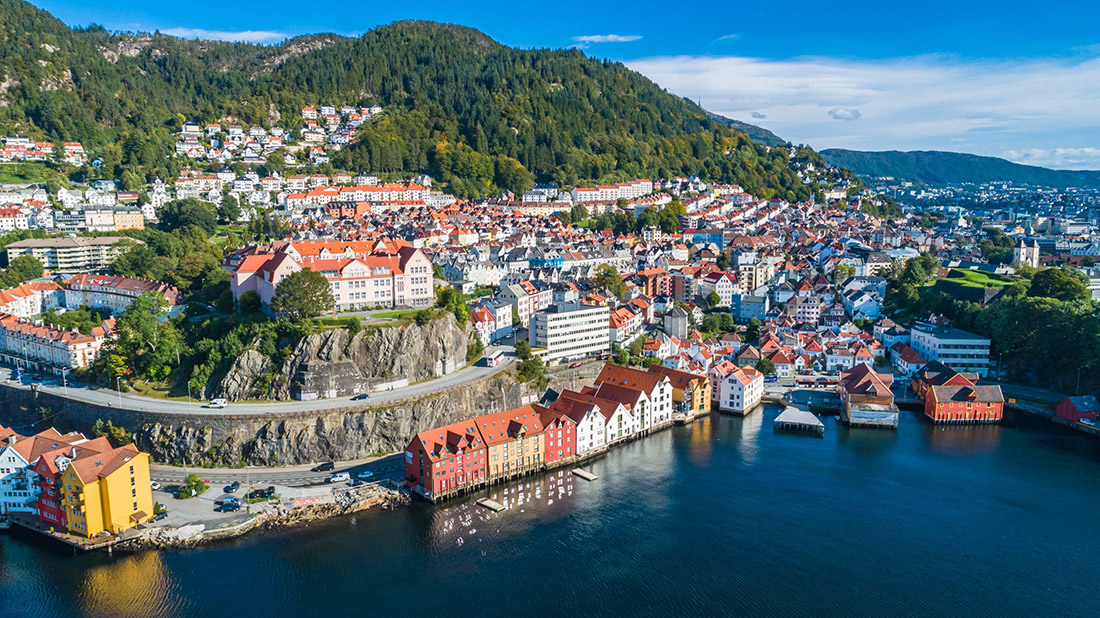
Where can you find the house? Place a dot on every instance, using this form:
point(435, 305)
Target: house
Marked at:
point(446, 459)
point(964, 403)
point(866, 398)
point(559, 435)
point(691, 392)
point(1075, 409)
point(741, 391)
point(106, 491)
point(591, 433)
point(656, 385)
point(515, 441)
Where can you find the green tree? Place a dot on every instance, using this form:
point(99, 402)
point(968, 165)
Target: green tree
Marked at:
point(523, 350)
point(302, 295)
point(608, 278)
point(578, 213)
point(145, 341)
point(230, 209)
point(117, 436)
point(190, 211)
point(250, 303)
point(753, 330)
point(842, 272)
point(713, 299)
point(1059, 284)
point(765, 366)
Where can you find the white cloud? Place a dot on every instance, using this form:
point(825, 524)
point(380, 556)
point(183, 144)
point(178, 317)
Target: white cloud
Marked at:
point(248, 36)
point(727, 37)
point(845, 113)
point(926, 102)
point(759, 116)
point(606, 38)
point(1062, 158)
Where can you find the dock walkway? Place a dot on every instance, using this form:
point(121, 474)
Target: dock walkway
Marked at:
point(798, 420)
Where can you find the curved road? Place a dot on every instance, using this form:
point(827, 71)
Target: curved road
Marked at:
point(129, 401)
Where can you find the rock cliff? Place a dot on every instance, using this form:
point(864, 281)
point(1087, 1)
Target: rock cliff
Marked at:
point(321, 436)
point(334, 364)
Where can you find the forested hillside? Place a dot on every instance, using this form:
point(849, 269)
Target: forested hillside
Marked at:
point(477, 114)
point(936, 168)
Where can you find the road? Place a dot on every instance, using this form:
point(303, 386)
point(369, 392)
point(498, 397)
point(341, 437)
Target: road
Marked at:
point(386, 467)
point(129, 401)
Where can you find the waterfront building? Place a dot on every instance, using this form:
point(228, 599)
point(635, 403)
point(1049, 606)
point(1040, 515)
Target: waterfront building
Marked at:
point(446, 459)
point(1075, 409)
point(866, 398)
point(964, 403)
point(515, 441)
point(559, 435)
point(618, 422)
point(936, 373)
point(591, 433)
point(71, 254)
point(691, 392)
point(656, 386)
point(106, 491)
point(741, 390)
point(957, 348)
point(568, 331)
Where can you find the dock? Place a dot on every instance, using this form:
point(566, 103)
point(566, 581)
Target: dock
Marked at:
point(798, 420)
point(585, 474)
point(682, 419)
point(492, 505)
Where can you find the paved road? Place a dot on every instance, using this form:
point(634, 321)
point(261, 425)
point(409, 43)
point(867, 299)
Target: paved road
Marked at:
point(129, 401)
point(387, 467)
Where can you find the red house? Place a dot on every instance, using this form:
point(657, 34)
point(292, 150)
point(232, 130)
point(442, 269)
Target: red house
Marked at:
point(560, 435)
point(446, 458)
point(1077, 408)
point(51, 452)
point(936, 373)
point(964, 403)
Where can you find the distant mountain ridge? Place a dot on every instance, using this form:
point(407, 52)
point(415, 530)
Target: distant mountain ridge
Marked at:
point(938, 168)
point(758, 134)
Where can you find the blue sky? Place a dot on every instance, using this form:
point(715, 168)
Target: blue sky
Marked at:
point(1011, 79)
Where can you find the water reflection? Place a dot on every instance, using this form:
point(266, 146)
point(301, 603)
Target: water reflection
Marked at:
point(701, 440)
point(127, 586)
point(748, 446)
point(544, 498)
point(963, 439)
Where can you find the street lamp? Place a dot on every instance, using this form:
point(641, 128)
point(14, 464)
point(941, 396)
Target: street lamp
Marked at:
point(118, 384)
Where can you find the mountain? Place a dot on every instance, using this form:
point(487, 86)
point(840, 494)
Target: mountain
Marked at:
point(758, 134)
point(479, 115)
point(937, 168)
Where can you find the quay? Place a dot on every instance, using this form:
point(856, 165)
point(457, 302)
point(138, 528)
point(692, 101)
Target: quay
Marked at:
point(585, 474)
point(797, 420)
point(492, 505)
point(78, 543)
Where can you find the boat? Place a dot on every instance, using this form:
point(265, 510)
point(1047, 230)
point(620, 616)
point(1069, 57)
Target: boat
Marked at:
point(5, 523)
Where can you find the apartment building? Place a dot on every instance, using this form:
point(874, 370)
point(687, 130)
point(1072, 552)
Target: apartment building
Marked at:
point(116, 293)
point(741, 390)
point(71, 254)
point(570, 330)
point(963, 351)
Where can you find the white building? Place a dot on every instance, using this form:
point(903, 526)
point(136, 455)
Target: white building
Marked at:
point(569, 330)
point(958, 349)
point(741, 391)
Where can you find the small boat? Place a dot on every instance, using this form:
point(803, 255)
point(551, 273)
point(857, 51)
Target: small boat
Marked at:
point(5, 523)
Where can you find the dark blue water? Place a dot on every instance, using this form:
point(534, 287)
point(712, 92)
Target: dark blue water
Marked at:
point(720, 518)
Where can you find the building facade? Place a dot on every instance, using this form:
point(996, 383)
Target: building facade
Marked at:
point(568, 331)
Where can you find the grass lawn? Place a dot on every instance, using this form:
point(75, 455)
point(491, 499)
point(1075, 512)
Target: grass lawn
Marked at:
point(977, 279)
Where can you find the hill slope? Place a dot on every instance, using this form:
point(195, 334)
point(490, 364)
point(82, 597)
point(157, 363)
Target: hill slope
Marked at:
point(758, 134)
point(479, 115)
point(937, 168)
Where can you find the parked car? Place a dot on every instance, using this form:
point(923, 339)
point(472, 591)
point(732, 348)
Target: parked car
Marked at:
point(256, 494)
point(339, 477)
point(361, 397)
point(575, 365)
point(232, 487)
point(325, 467)
point(269, 492)
point(155, 486)
point(771, 379)
point(37, 377)
point(365, 474)
point(161, 515)
point(227, 507)
point(356, 482)
point(217, 403)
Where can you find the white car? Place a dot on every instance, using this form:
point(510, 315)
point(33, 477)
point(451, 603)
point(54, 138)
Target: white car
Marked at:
point(154, 485)
point(339, 477)
point(218, 403)
point(366, 474)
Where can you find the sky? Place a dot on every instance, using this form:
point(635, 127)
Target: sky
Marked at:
point(1019, 80)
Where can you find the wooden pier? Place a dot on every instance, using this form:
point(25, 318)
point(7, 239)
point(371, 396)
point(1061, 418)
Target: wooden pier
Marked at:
point(798, 420)
point(585, 474)
point(492, 505)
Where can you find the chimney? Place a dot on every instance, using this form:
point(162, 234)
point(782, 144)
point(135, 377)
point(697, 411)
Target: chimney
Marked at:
point(12, 439)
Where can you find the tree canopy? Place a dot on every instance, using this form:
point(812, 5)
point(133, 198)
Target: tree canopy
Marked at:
point(303, 294)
